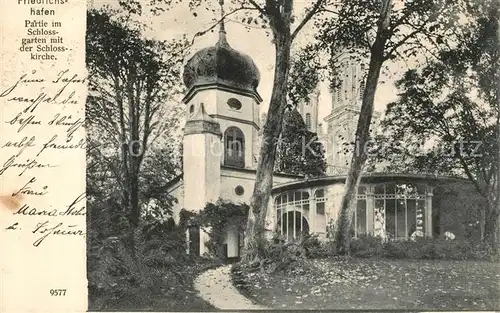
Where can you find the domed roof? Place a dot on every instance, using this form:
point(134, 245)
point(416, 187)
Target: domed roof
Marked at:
point(221, 64)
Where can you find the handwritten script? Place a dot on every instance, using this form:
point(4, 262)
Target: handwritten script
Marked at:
point(42, 134)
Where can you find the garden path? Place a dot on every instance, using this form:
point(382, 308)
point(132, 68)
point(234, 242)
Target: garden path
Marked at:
point(215, 286)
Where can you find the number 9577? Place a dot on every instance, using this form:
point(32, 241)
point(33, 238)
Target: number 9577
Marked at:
point(57, 292)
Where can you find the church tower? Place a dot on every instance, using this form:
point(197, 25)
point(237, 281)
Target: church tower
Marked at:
point(347, 94)
point(222, 120)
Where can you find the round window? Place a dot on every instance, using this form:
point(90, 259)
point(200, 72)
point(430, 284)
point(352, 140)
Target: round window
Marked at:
point(234, 103)
point(239, 190)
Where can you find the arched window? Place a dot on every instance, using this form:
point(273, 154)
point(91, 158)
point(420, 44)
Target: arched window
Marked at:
point(234, 143)
point(292, 214)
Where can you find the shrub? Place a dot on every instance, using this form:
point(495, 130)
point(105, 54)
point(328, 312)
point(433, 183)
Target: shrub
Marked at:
point(313, 247)
point(277, 255)
point(127, 269)
point(422, 248)
point(366, 246)
point(395, 249)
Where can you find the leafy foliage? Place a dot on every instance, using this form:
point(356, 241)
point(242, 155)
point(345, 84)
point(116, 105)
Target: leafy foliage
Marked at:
point(136, 271)
point(376, 31)
point(132, 79)
point(216, 218)
point(422, 248)
point(299, 151)
point(447, 114)
point(305, 74)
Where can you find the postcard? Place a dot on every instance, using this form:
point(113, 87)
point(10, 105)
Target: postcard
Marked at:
point(209, 155)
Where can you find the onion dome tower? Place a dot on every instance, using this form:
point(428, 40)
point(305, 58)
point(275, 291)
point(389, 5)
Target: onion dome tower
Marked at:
point(222, 123)
point(222, 65)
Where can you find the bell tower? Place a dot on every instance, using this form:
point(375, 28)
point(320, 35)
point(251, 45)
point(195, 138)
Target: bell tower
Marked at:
point(225, 81)
point(347, 95)
point(222, 124)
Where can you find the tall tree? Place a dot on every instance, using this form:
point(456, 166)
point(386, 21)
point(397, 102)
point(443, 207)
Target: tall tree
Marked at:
point(447, 116)
point(131, 81)
point(280, 16)
point(381, 32)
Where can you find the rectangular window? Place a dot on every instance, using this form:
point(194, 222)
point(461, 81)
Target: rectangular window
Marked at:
point(401, 219)
point(379, 189)
point(411, 213)
point(361, 217)
point(390, 218)
point(320, 208)
point(306, 208)
point(390, 189)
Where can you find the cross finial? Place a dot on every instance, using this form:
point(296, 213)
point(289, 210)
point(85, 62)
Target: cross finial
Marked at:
point(222, 28)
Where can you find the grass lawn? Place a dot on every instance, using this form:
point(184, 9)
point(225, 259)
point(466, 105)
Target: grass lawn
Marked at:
point(351, 283)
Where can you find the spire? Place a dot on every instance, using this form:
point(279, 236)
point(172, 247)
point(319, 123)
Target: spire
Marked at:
point(222, 29)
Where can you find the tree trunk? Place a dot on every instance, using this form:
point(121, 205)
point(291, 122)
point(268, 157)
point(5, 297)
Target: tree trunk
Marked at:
point(348, 205)
point(254, 234)
point(491, 223)
point(134, 199)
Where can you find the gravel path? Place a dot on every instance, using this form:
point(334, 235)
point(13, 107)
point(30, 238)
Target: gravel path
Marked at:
point(215, 287)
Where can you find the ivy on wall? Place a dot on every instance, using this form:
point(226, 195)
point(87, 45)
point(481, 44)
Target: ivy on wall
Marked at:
point(215, 219)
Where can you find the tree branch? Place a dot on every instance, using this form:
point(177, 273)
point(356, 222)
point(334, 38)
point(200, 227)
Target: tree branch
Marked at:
point(308, 16)
point(203, 32)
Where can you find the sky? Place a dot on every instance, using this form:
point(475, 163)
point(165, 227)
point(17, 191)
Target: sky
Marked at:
point(180, 21)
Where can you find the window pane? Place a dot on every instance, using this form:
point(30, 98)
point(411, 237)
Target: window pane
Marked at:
point(390, 189)
point(361, 217)
point(401, 218)
point(298, 196)
point(421, 189)
point(305, 207)
point(390, 218)
point(411, 216)
point(379, 189)
point(320, 193)
point(320, 208)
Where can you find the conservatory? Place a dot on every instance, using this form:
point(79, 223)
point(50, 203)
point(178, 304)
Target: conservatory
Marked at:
point(389, 206)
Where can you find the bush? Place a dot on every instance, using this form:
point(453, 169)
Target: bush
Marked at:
point(314, 248)
point(422, 248)
point(366, 246)
point(278, 255)
point(125, 270)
